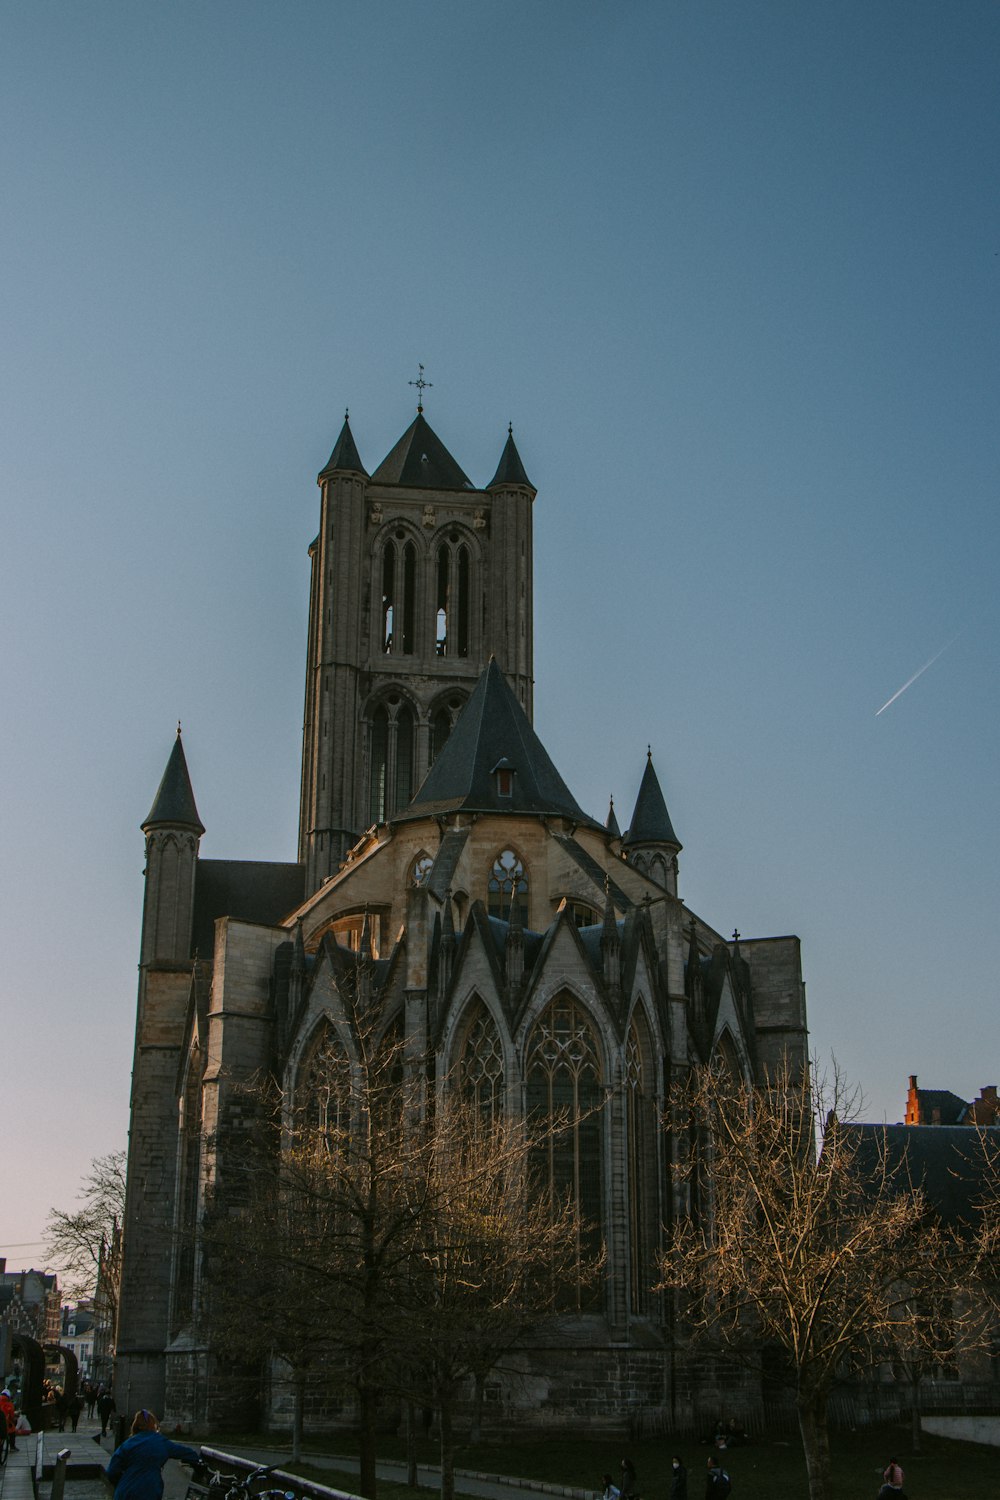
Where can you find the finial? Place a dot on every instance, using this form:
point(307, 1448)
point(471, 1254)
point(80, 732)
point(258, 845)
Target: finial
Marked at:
point(649, 752)
point(347, 413)
point(421, 385)
point(736, 934)
point(510, 429)
point(178, 728)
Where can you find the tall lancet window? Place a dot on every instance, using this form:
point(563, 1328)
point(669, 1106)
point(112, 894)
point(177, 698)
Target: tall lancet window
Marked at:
point(454, 568)
point(392, 731)
point(378, 775)
point(480, 1063)
point(640, 1147)
point(508, 886)
point(405, 727)
point(399, 587)
point(564, 1084)
point(323, 1087)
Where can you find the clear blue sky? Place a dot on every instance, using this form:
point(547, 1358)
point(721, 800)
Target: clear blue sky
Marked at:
point(732, 271)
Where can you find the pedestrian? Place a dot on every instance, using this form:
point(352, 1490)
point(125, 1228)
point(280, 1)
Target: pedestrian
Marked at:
point(717, 1483)
point(892, 1482)
point(136, 1467)
point(74, 1406)
point(105, 1410)
point(90, 1396)
point(610, 1489)
point(629, 1488)
point(9, 1417)
point(678, 1479)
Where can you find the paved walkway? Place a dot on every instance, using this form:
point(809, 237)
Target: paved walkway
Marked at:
point(177, 1476)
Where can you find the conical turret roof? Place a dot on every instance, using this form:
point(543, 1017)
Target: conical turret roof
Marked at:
point(421, 461)
point(510, 470)
point(345, 455)
point(611, 821)
point(174, 805)
point(650, 821)
point(493, 729)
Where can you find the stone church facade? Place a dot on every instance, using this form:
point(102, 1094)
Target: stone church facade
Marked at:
point(512, 937)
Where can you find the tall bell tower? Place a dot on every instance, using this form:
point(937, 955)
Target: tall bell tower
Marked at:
point(418, 578)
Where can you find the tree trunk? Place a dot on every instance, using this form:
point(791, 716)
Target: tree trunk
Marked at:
point(298, 1413)
point(367, 1414)
point(915, 1412)
point(447, 1450)
point(411, 1445)
point(477, 1406)
point(815, 1444)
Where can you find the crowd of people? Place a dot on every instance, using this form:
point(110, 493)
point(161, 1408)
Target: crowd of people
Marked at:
point(717, 1482)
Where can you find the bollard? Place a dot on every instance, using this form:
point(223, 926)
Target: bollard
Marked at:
point(59, 1474)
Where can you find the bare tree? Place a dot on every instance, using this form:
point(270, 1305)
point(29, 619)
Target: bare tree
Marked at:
point(85, 1244)
point(802, 1248)
point(394, 1247)
point(491, 1255)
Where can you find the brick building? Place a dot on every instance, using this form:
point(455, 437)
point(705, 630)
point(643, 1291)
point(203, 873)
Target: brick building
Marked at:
point(510, 932)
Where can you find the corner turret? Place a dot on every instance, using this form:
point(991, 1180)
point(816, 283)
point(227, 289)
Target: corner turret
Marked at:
point(651, 844)
point(173, 832)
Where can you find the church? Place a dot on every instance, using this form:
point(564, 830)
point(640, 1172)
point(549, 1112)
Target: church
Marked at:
point(513, 937)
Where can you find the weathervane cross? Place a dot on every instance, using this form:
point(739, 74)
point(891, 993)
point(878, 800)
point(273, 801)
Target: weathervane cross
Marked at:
point(421, 385)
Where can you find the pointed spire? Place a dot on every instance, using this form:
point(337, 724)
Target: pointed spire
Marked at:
point(174, 804)
point(421, 461)
point(345, 457)
point(510, 472)
point(611, 822)
point(650, 821)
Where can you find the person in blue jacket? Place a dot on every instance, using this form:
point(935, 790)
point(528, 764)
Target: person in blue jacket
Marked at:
point(136, 1467)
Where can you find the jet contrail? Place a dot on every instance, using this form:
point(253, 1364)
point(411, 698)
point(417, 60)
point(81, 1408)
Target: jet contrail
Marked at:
point(919, 673)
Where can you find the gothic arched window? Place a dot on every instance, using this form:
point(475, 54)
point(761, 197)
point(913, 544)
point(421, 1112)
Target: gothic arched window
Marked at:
point(405, 727)
point(640, 1148)
point(323, 1087)
point(378, 739)
point(452, 597)
point(508, 884)
point(442, 723)
point(399, 583)
point(480, 1063)
point(564, 1084)
point(392, 731)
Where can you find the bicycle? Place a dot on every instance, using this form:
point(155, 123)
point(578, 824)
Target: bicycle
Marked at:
point(219, 1486)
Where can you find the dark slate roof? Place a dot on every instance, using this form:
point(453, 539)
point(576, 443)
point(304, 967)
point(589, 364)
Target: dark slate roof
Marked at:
point(491, 726)
point(345, 455)
point(249, 890)
point(510, 469)
point(611, 821)
point(947, 1161)
point(650, 821)
point(950, 1107)
point(421, 461)
point(174, 805)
